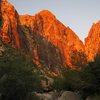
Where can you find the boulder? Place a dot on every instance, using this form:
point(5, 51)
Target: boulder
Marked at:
point(68, 95)
point(2, 49)
point(42, 96)
point(89, 98)
point(46, 83)
point(97, 97)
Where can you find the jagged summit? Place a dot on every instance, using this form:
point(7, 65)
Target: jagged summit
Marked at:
point(92, 42)
point(45, 39)
point(46, 13)
point(46, 25)
point(98, 22)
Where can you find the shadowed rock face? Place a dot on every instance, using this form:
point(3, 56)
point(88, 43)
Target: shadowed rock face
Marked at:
point(48, 42)
point(92, 42)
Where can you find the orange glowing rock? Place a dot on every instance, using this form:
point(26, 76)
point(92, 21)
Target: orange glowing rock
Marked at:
point(45, 39)
point(9, 18)
point(92, 42)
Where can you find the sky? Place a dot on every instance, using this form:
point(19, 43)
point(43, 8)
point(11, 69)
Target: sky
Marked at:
point(79, 15)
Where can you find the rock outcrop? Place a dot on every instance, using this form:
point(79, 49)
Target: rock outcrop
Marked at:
point(45, 25)
point(94, 97)
point(45, 39)
point(92, 42)
point(21, 35)
point(68, 95)
point(2, 49)
point(8, 30)
point(43, 96)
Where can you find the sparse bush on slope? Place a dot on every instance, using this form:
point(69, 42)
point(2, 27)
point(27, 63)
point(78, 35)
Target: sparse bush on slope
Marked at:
point(86, 80)
point(17, 76)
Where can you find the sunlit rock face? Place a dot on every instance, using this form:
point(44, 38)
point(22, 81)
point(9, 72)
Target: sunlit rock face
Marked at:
point(21, 33)
point(92, 42)
point(9, 18)
point(10, 30)
point(45, 39)
point(47, 26)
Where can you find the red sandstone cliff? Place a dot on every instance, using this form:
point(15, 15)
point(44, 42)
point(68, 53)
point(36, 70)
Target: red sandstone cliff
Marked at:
point(45, 39)
point(92, 42)
point(8, 30)
point(47, 26)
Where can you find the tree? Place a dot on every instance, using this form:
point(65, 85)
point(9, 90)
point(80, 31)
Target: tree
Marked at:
point(86, 80)
point(90, 76)
point(70, 81)
point(16, 75)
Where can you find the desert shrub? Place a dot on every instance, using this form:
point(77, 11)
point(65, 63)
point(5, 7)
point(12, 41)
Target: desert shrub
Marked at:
point(86, 80)
point(90, 76)
point(70, 80)
point(17, 76)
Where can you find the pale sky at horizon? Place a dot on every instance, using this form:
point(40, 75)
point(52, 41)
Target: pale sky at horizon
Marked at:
point(79, 15)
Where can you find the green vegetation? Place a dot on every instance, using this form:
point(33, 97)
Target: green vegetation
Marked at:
point(86, 80)
point(18, 77)
point(90, 76)
point(96, 97)
point(70, 80)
